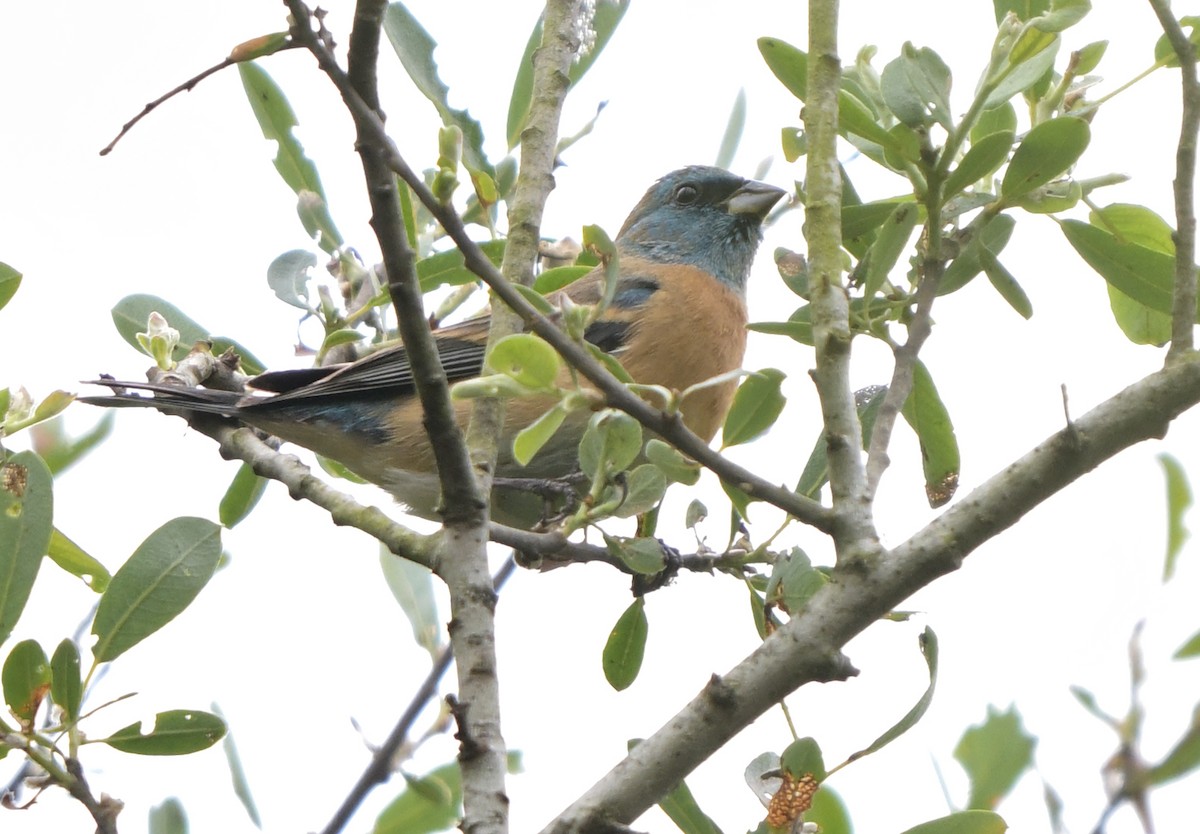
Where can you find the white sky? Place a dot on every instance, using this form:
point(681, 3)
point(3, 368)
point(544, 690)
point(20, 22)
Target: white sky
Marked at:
point(299, 634)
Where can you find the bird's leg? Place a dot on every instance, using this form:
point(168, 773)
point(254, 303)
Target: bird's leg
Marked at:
point(561, 495)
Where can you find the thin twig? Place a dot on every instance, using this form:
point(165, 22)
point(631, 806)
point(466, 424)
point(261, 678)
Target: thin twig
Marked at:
point(462, 501)
point(383, 760)
point(920, 326)
point(1183, 304)
point(185, 87)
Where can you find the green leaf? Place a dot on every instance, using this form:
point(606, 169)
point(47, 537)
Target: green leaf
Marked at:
point(1179, 500)
point(66, 685)
point(829, 812)
point(26, 680)
point(929, 649)
point(992, 238)
point(916, 88)
point(526, 359)
point(999, 119)
point(449, 268)
point(641, 555)
point(681, 806)
point(430, 803)
point(803, 758)
point(1137, 224)
point(1005, 284)
point(241, 497)
point(414, 47)
point(1191, 648)
point(1022, 75)
point(1088, 701)
point(758, 610)
point(890, 243)
point(159, 580)
point(1046, 152)
point(1089, 57)
point(60, 451)
point(1164, 53)
point(995, 754)
point(176, 733)
point(1062, 15)
point(529, 440)
point(337, 338)
point(925, 412)
point(51, 406)
point(790, 66)
point(1145, 275)
point(756, 406)
point(1030, 43)
point(816, 470)
point(241, 785)
point(131, 313)
point(793, 581)
point(168, 818)
point(554, 279)
point(261, 46)
point(276, 119)
point(676, 466)
point(1025, 10)
point(644, 489)
point(695, 513)
point(608, 14)
point(78, 562)
point(797, 327)
point(793, 269)
point(611, 443)
point(1183, 758)
point(26, 525)
point(622, 658)
point(861, 222)
point(733, 131)
point(963, 822)
point(740, 506)
point(10, 280)
point(412, 586)
point(317, 221)
point(1139, 323)
point(522, 93)
point(983, 159)
point(288, 275)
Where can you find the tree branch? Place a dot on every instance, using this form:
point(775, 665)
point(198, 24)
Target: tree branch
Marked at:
point(244, 444)
point(462, 561)
point(1183, 304)
point(808, 647)
point(854, 535)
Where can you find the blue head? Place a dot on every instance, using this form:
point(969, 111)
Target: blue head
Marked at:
point(703, 217)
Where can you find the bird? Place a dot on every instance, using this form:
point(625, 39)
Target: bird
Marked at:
point(677, 318)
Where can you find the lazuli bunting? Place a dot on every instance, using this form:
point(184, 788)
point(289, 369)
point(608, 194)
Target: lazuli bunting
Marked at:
point(678, 318)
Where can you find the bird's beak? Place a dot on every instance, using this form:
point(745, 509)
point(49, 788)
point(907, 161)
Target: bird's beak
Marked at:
point(754, 198)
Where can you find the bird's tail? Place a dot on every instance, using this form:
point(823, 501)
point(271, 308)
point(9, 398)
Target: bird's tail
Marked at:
point(166, 397)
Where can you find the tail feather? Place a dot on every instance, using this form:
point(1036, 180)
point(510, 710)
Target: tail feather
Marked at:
point(205, 400)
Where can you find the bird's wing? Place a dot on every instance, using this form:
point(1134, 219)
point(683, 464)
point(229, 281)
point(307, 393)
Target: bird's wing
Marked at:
point(388, 370)
point(635, 286)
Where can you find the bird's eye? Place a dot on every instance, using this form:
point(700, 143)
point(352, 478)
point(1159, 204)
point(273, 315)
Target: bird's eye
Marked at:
point(685, 195)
